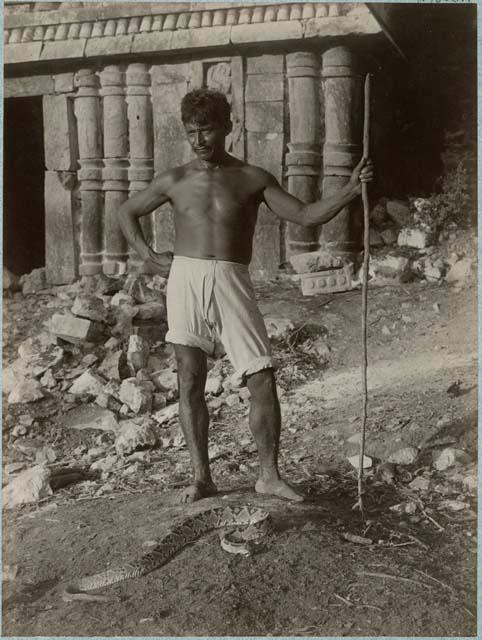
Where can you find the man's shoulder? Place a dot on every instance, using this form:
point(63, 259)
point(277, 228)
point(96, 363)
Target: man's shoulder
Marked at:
point(168, 178)
point(259, 175)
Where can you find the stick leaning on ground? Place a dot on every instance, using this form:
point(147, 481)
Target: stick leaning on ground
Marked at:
point(366, 261)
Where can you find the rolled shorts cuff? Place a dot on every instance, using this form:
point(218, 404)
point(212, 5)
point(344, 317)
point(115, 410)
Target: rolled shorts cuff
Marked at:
point(191, 340)
point(238, 379)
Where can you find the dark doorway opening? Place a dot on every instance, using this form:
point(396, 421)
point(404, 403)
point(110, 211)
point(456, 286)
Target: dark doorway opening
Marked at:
point(23, 180)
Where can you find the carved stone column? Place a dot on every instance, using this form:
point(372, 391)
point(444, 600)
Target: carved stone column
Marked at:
point(343, 91)
point(141, 140)
point(114, 174)
point(304, 158)
point(87, 112)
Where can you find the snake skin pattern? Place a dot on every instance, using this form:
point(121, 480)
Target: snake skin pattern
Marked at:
point(250, 523)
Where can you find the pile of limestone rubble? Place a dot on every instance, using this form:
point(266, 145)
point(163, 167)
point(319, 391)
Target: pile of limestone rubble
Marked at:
point(101, 357)
point(403, 247)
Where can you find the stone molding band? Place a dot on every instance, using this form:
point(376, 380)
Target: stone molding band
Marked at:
point(174, 21)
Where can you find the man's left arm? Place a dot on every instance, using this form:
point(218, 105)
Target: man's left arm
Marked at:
point(290, 208)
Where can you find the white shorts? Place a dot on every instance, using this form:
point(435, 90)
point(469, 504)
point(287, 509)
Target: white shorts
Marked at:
point(209, 298)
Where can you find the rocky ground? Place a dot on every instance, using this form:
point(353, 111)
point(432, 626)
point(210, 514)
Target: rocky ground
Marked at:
point(94, 457)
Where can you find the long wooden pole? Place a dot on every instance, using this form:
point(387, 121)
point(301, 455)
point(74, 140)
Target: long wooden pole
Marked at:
point(366, 262)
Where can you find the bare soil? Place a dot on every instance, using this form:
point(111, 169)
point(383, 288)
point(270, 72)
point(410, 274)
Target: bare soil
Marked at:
point(417, 578)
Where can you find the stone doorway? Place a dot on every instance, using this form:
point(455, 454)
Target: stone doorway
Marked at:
point(23, 185)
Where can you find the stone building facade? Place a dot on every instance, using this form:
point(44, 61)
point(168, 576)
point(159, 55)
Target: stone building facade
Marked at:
point(108, 79)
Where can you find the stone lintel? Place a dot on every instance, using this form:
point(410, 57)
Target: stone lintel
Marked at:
point(363, 24)
point(107, 45)
point(289, 30)
point(205, 37)
point(64, 83)
point(28, 86)
point(22, 52)
point(159, 41)
point(62, 49)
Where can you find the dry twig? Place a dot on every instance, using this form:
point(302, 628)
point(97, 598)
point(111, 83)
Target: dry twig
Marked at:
point(350, 604)
point(419, 542)
point(446, 586)
point(387, 575)
point(434, 522)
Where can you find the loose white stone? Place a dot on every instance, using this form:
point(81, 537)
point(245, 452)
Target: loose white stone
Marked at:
point(26, 390)
point(136, 395)
point(453, 505)
point(29, 486)
point(416, 238)
point(122, 298)
point(278, 328)
point(459, 274)
point(137, 353)
point(167, 414)
point(91, 417)
point(389, 269)
point(433, 273)
point(90, 307)
point(420, 483)
point(214, 385)
point(449, 457)
point(88, 382)
point(409, 508)
point(404, 456)
point(133, 436)
point(110, 366)
point(165, 380)
point(314, 261)
point(355, 461)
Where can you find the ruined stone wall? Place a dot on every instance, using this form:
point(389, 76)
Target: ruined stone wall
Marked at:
point(129, 128)
point(110, 128)
point(113, 120)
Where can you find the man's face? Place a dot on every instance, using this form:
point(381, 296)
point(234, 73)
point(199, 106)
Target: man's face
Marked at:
point(207, 140)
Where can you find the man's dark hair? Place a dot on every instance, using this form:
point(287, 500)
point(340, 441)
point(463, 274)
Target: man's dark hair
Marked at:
point(205, 106)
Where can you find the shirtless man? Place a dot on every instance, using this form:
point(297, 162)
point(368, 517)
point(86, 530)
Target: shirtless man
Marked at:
point(215, 198)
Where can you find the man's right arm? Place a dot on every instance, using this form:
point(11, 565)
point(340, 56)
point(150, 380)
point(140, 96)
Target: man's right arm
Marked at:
point(141, 204)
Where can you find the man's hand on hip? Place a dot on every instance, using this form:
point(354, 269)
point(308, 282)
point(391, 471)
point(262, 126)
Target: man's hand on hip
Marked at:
point(159, 263)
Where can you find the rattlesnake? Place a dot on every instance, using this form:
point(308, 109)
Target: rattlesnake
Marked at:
point(248, 523)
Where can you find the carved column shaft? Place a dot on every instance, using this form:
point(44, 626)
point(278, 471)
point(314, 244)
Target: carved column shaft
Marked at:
point(343, 91)
point(87, 112)
point(141, 140)
point(114, 174)
point(304, 158)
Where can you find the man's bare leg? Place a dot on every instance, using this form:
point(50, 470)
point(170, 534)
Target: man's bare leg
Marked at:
point(265, 425)
point(194, 418)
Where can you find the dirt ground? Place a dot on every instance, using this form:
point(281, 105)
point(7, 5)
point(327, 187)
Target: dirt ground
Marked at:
point(417, 578)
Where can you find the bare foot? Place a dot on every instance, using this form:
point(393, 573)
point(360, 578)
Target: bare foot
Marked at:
point(197, 491)
point(278, 487)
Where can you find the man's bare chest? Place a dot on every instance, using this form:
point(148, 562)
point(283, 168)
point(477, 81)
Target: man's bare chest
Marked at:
point(214, 196)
